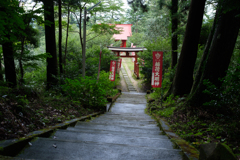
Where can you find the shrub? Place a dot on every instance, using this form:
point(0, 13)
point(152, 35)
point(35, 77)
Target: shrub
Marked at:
point(87, 91)
point(226, 97)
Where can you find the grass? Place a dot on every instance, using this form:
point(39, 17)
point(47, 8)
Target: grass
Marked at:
point(166, 112)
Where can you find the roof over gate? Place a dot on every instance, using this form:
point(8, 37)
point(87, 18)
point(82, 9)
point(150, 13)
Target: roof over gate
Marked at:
point(125, 49)
point(125, 33)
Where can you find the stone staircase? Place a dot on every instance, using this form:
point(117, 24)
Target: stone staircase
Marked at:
point(130, 86)
point(124, 133)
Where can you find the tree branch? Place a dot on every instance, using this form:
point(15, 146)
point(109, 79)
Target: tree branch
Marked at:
point(93, 37)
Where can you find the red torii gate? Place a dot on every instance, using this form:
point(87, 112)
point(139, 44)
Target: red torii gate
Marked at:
point(124, 52)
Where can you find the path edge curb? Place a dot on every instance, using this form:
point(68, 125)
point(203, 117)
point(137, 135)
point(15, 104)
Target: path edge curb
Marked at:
point(190, 152)
point(113, 100)
point(12, 147)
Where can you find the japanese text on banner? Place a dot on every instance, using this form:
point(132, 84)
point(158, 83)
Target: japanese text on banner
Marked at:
point(112, 70)
point(157, 69)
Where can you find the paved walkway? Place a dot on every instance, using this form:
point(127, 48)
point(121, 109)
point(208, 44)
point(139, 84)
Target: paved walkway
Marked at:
point(124, 133)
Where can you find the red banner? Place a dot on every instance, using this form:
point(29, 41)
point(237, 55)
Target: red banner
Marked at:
point(157, 69)
point(112, 70)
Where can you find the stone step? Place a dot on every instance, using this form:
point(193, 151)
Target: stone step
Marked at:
point(132, 96)
point(132, 90)
point(131, 100)
point(135, 129)
point(142, 101)
point(131, 87)
point(125, 119)
point(134, 93)
point(111, 116)
point(129, 106)
point(42, 148)
point(160, 142)
point(145, 125)
point(138, 134)
point(142, 125)
point(127, 109)
point(128, 82)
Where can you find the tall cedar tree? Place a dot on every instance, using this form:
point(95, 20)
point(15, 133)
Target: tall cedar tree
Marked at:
point(60, 35)
point(221, 50)
point(10, 24)
point(205, 52)
point(66, 44)
point(183, 79)
point(10, 71)
point(50, 39)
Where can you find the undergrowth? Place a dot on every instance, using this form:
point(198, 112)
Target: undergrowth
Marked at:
point(199, 125)
point(24, 110)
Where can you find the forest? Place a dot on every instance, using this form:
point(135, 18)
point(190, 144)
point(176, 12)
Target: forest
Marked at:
point(49, 73)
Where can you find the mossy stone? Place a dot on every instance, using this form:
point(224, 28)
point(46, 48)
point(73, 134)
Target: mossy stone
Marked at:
point(212, 151)
point(222, 152)
point(206, 150)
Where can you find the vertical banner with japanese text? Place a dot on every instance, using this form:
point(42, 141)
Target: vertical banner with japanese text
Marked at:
point(157, 69)
point(112, 70)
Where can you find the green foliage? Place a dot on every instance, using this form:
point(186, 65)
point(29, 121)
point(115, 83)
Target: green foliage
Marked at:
point(105, 28)
point(206, 28)
point(4, 91)
point(170, 100)
point(87, 91)
point(167, 79)
point(157, 93)
point(10, 23)
point(93, 60)
point(167, 112)
point(36, 78)
point(138, 39)
point(160, 44)
point(228, 94)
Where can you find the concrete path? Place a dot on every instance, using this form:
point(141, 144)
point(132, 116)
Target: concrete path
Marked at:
point(124, 133)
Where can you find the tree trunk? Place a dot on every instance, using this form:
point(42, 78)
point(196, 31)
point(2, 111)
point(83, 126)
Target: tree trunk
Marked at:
point(50, 43)
point(1, 72)
point(220, 52)
point(10, 72)
point(205, 53)
point(174, 38)
point(84, 44)
point(20, 63)
point(183, 79)
point(65, 57)
point(60, 35)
